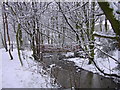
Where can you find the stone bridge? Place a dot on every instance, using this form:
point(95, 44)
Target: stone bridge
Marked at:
point(57, 48)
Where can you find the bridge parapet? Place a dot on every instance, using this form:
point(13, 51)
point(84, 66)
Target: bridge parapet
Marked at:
point(58, 48)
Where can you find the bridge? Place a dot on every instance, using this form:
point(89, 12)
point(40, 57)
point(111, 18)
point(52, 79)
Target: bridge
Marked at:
point(46, 48)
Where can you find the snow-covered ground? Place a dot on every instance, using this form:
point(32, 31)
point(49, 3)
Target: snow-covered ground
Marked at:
point(0, 70)
point(29, 76)
point(106, 64)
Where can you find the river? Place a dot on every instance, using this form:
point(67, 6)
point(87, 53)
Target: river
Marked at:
point(68, 75)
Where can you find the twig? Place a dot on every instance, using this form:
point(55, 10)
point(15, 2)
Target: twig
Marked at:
point(109, 55)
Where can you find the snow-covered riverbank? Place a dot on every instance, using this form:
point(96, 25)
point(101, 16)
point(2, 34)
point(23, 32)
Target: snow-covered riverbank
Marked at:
point(108, 65)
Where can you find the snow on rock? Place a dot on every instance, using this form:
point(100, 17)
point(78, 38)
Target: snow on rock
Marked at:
point(69, 54)
point(16, 76)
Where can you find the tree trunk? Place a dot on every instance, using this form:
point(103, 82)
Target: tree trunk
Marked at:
point(91, 34)
point(6, 23)
point(3, 16)
point(33, 41)
point(106, 27)
point(110, 16)
point(119, 51)
point(18, 44)
point(105, 6)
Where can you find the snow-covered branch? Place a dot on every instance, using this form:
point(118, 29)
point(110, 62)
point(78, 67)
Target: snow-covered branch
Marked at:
point(103, 35)
point(108, 55)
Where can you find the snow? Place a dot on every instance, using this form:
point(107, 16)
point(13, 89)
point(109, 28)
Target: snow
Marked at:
point(0, 70)
point(83, 63)
point(114, 6)
point(29, 76)
point(103, 23)
point(108, 34)
point(52, 65)
point(119, 56)
point(106, 64)
point(69, 54)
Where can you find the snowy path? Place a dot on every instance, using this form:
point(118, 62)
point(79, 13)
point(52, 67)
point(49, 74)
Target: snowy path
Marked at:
point(15, 76)
point(0, 69)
